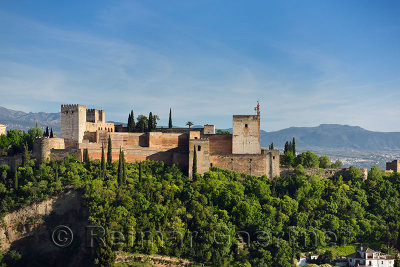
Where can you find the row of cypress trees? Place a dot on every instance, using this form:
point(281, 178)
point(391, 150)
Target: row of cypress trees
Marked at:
point(290, 147)
point(47, 134)
point(121, 163)
point(144, 123)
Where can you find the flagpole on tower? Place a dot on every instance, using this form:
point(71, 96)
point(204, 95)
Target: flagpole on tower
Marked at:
point(257, 108)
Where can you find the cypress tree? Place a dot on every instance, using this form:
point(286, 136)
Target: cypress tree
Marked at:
point(170, 119)
point(25, 156)
point(194, 171)
point(120, 167)
point(150, 124)
point(294, 146)
point(286, 147)
point(47, 131)
point(86, 158)
point(103, 161)
point(290, 147)
point(16, 178)
point(132, 121)
point(109, 152)
point(56, 174)
point(51, 133)
point(155, 117)
point(123, 168)
point(129, 123)
point(140, 172)
point(4, 176)
point(106, 254)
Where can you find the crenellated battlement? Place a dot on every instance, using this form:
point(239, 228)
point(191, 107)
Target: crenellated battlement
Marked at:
point(65, 107)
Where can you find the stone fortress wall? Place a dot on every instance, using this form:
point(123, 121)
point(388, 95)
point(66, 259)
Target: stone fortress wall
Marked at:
point(86, 129)
point(3, 129)
point(393, 166)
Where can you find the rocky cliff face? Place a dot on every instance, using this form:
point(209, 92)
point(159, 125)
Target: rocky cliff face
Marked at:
point(29, 230)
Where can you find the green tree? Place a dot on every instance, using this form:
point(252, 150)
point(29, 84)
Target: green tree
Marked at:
point(155, 119)
point(51, 133)
point(170, 119)
point(141, 124)
point(150, 123)
point(103, 161)
point(286, 149)
point(131, 122)
point(324, 162)
point(271, 146)
point(337, 164)
point(109, 152)
point(26, 156)
point(140, 171)
point(299, 170)
point(294, 146)
point(4, 176)
point(120, 167)
point(307, 159)
point(86, 157)
point(288, 159)
point(106, 254)
point(375, 173)
point(189, 123)
point(219, 131)
point(33, 133)
point(123, 168)
point(46, 134)
point(194, 169)
point(16, 178)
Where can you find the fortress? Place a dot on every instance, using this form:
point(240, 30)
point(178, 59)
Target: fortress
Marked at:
point(85, 129)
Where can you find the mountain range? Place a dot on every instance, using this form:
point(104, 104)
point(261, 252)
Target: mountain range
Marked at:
point(322, 137)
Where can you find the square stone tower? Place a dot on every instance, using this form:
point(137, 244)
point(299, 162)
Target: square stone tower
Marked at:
point(246, 134)
point(73, 124)
point(209, 129)
point(96, 116)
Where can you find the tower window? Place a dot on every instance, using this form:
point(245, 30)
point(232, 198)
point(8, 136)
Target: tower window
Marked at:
point(199, 148)
point(246, 126)
point(211, 165)
point(273, 157)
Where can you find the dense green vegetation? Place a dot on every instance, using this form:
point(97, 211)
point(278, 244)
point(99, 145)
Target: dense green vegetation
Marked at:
point(222, 218)
point(13, 143)
point(308, 160)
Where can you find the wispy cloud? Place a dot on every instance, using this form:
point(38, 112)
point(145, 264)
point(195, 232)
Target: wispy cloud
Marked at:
point(206, 83)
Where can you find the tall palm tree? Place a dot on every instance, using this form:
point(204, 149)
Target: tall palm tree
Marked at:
point(189, 123)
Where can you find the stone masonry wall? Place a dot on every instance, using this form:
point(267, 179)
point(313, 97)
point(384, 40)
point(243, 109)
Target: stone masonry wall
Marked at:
point(246, 134)
point(393, 166)
point(73, 123)
point(203, 155)
point(42, 147)
point(220, 143)
point(249, 164)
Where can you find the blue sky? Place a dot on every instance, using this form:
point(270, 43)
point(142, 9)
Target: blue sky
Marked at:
point(307, 62)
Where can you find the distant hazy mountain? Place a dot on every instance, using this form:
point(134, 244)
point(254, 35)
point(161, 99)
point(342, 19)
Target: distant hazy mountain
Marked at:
point(22, 120)
point(324, 136)
point(333, 136)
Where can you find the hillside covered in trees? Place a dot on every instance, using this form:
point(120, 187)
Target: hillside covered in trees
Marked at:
point(221, 219)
